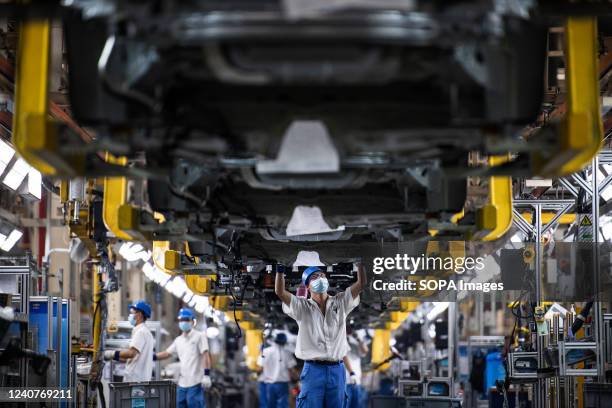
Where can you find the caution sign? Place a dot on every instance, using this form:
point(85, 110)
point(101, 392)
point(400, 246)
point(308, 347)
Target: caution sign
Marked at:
point(585, 228)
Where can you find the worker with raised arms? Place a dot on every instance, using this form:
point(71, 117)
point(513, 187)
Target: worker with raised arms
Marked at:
point(321, 340)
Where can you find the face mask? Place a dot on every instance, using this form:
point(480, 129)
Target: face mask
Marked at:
point(185, 326)
point(132, 319)
point(320, 285)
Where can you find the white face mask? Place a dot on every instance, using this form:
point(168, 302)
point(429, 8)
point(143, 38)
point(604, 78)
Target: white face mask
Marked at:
point(185, 326)
point(132, 319)
point(320, 285)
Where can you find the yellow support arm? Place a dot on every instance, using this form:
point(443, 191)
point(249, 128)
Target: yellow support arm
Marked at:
point(30, 121)
point(35, 135)
point(198, 284)
point(115, 195)
point(396, 319)
point(253, 343)
point(381, 349)
point(582, 128)
point(495, 218)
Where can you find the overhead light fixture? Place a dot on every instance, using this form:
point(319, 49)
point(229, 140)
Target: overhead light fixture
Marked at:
point(134, 252)
point(16, 174)
point(6, 154)
point(9, 242)
point(438, 308)
point(34, 184)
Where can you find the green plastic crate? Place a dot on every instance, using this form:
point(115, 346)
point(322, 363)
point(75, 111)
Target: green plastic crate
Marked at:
point(152, 394)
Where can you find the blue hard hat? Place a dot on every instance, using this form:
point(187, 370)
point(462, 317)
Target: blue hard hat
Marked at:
point(185, 313)
point(281, 338)
point(309, 271)
point(143, 306)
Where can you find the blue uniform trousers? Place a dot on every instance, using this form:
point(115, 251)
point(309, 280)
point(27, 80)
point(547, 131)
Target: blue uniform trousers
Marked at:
point(353, 392)
point(263, 395)
point(278, 395)
point(190, 397)
point(323, 386)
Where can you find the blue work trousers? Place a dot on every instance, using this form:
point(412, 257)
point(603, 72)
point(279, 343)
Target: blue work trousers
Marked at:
point(263, 395)
point(323, 386)
point(278, 395)
point(353, 392)
point(190, 397)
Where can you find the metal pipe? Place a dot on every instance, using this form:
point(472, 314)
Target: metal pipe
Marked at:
point(541, 384)
point(97, 312)
point(597, 311)
point(567, 381)
point(546, 202)
point(58, 334)
point(554, 340)
point(452, 338)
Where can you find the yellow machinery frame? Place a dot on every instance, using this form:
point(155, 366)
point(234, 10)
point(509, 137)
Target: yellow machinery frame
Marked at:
point(582, 127)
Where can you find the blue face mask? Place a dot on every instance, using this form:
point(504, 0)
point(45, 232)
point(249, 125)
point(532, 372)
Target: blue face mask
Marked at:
point(185, 326)
point(132, 319)
point(320, 285)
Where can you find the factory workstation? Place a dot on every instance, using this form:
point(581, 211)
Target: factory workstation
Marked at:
point(306, 204)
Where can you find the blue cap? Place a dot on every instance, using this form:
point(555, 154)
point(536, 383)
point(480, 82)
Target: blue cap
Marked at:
point(309, 271)
point(281, 338)
point(185, 313)
point(143, 306)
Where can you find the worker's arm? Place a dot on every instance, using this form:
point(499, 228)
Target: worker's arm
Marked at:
point(162, 355)
point(294, 374)
point(206, 360)
point(279, 289)
point(120, 355)
point(352, 377)
point(169, 352)
point(347, 364)
point(361, 283)
point(206, 363)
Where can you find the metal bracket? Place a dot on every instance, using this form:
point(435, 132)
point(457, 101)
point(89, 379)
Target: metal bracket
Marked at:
point(560, 207)
point(523, 365)
point(565, 368)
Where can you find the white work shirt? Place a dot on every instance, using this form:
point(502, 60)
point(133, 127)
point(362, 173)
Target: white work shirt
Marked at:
point(189, 349)
point(321, 338)
point(140, 368)
point(276, 362)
